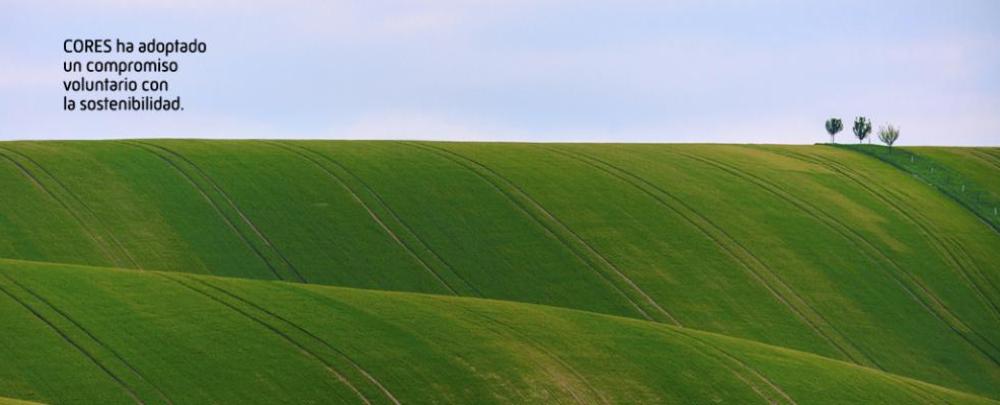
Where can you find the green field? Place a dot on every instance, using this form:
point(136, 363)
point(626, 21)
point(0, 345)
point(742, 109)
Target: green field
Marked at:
point(967, 175)
point(133, 335)
point(977, 165)
point(664, 273)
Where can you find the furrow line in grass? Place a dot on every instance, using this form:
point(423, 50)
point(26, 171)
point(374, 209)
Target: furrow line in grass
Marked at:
point(236, 208)
point(284, 336)
point(746, 381)
point(983, 276)
point(916, 218)
point(210, 201)
point(215, 206)
point(866, 246)
point(733, 248)
point(308, 333)
point(375, 217)
point(942, 188)
point(756, 374)
point(407, 229)
point(371, 213)
point(727, 362)
point(553, 227)
point(93, 359)
point(926, 226)
point(571, 237)
point(987, 158)
point(96, 219)
point(818, 214)
point(548, 353)
point(489, 325)
point(942, 246)
point(963, 272)
point(135, 371)
point(920, 390)
point(99, 242)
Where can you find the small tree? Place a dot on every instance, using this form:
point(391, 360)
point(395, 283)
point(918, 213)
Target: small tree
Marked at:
point(888, 135)
point(834, 125)
point(862, 127)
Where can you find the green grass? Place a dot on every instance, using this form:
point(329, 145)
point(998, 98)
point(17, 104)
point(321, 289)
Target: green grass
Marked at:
point(9, 401)
point(968, 175)
point(811, 248)
point(975, 164)
point(93, 335)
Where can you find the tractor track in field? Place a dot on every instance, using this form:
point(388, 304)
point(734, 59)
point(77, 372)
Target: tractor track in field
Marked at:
point(989, 281)
point(950, 194)
point(312, 335)
point(78, 346)
point(802, 306)
point(284, 336)
point(93, 337)
point(735, 250)
point(957, 256)
point(541, 348)
point(512, 191)
point(866, 246)
point(100, 243)
point(155, 151)
point(489, 325)
point(104, 229)
point(987, 158)
point(75, 345)
point(917, 219)
point(236, 208)
point(990, 152)
point(741, 364)
point(918, 389)
point(846, 170)
point(211, 202)
point(374, 216)
point(395, 216)
point(836, 166)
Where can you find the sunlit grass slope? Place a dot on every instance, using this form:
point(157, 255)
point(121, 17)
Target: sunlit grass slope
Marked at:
point(967, 175)
point(980, 165)
point(89, 335)
point(812, 248)
point(10, 401)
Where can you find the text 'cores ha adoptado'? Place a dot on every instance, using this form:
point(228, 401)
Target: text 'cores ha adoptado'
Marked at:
point(99, 81)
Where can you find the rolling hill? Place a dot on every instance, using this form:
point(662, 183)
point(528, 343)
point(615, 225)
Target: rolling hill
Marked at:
point(828, 274)
point(978, 165)
point(120, 336)
point(967, 175)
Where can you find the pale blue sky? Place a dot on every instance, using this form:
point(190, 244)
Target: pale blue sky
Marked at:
point(647, 71)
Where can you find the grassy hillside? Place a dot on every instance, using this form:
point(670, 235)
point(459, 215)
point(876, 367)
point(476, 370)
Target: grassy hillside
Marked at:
point(812, 248)
point(10, 401)
point(978, 165)
point(75, 334)
point(967, 175)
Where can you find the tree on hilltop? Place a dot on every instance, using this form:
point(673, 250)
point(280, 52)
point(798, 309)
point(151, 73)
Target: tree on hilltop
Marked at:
point(834, 125)
point(888, 134)
point(862, 127)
